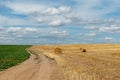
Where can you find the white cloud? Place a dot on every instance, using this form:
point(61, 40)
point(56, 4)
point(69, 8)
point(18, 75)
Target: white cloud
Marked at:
point(55, 23)
point(64, 15)
point(4, 20)
point(25, 8)
point(60, 21)
point(88, 14)
point(64, 9)
point(91, 27)
point(59, 33)
point(47, 14)
point(14, 29)
point(111, 29)
point(6, 39)
point(1, 28)
point(90, 34)
point(20, 30)
point(108, 39)
point(54, 11)
point(30, 34)
point(30, 8)
point(28, 29)
point(42, 14)
point(95, 8)
point(17, 34)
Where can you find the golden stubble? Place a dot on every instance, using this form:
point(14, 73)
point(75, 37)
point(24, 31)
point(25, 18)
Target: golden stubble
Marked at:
point(99, 62)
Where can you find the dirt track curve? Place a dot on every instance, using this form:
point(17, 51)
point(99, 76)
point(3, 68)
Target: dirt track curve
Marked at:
point(42, 68)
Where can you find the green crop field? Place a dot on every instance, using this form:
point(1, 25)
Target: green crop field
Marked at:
point(11, 55)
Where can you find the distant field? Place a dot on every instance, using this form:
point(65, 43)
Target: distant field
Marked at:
point(11, 55)
point(99, 62)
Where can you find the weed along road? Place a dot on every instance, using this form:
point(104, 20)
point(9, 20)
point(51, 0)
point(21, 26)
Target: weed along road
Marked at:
point(37, 67)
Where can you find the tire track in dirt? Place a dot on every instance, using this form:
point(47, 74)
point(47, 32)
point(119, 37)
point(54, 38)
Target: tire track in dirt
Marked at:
point(33, 69)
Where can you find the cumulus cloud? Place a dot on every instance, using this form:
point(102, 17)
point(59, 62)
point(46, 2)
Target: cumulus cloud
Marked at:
point(55, 23)
point(6, 39)
point(90, 35)
point(4, 20)
point(20, 30)
point(24, 8)
point(86, 17)
point(45, 14)
point(31, 35)
point(91, 27)
point(1, 28)
point(14, 29)
point(59, 33)
point(108, 39)
point(13, 34)
point(111, 29)
point(54, 11)
point(31, 8)
point(68, 15)
point(109, 26)
point(95, 8)
point(28, 29)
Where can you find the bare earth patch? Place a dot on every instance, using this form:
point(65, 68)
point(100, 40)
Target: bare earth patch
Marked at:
point(33, 69)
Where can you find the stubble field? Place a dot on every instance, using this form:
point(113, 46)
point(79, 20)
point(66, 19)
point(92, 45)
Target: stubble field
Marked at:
point(99, 62)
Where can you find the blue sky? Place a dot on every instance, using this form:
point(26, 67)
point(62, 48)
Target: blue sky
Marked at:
point(59, 21)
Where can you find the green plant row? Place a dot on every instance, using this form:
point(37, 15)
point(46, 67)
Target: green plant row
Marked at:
point(11, 55)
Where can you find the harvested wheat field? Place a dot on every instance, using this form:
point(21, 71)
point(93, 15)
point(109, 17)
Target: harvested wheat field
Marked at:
point(96, 62)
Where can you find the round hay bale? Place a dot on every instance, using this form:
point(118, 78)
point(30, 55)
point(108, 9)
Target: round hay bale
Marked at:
point(84, 50)
point(80, 49)
point(58, 51)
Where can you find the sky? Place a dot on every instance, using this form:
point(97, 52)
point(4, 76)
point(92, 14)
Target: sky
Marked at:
point(59, 21)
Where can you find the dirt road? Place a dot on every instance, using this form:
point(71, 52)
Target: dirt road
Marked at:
point(40, 68)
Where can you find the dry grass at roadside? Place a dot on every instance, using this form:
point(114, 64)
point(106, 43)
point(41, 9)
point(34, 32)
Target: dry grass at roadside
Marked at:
point(99, 62)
